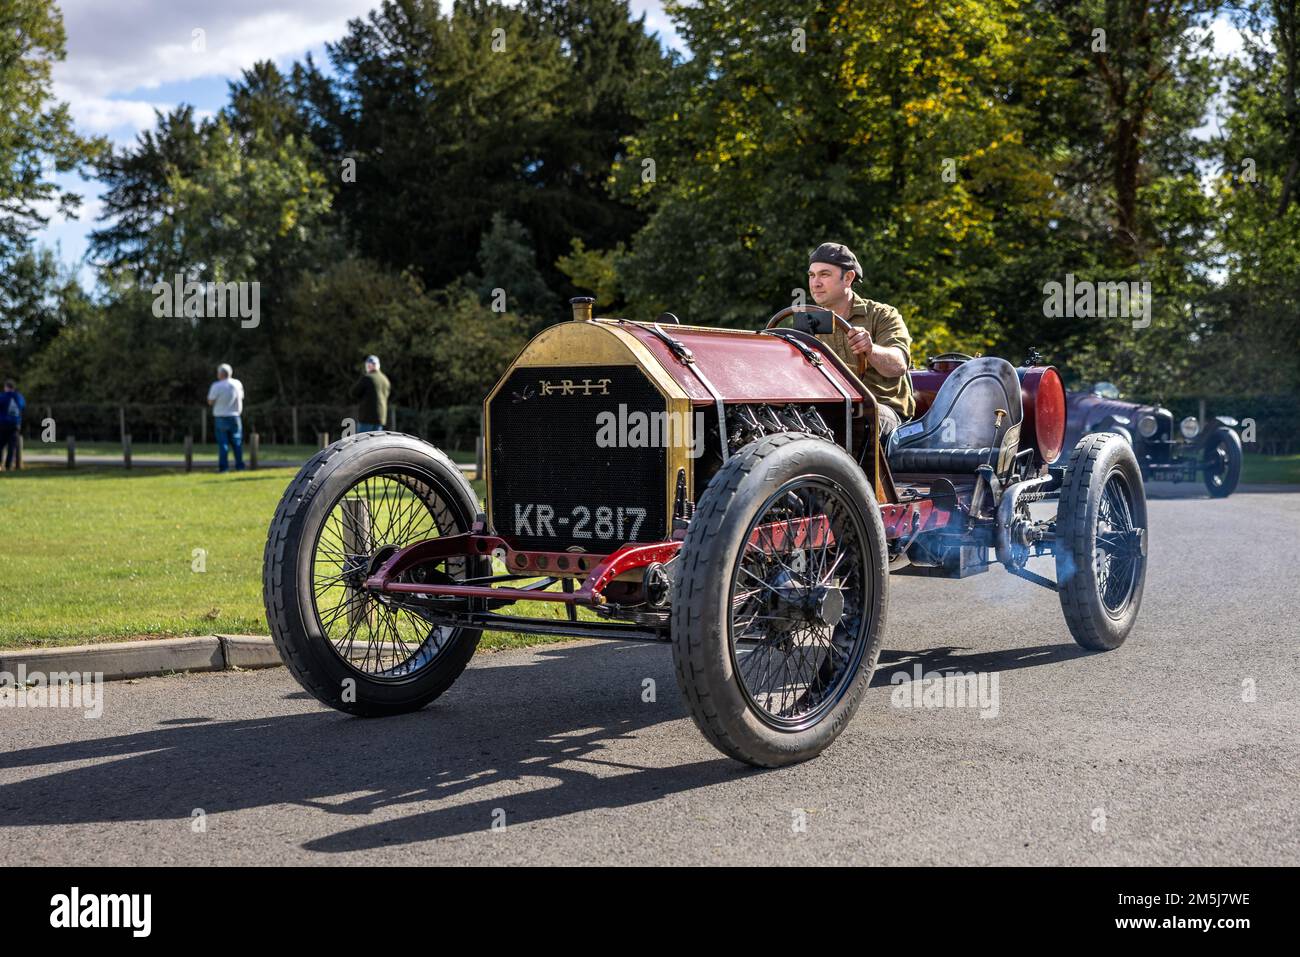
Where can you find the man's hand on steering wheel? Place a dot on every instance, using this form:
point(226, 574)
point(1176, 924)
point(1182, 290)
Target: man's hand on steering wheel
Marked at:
point(860, 341)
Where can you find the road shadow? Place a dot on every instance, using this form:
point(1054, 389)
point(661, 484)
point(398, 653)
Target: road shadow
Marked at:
point(952, 658)
point(550, 722)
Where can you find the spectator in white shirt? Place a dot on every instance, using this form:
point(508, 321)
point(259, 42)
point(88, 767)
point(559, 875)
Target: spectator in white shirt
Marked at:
point(226, 396)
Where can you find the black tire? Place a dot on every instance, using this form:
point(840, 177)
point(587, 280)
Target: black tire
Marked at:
point(295, 564)
point(710, 664)
point(1100, 572)
point(1123, 433)
point(1222, 462)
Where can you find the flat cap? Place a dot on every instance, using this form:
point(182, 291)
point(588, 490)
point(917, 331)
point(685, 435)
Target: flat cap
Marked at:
point(837, 254)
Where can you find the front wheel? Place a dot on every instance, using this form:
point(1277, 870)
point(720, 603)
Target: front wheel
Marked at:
point(349, 509)
point(1222, 462)
point(779, 603)
point(1101, 543)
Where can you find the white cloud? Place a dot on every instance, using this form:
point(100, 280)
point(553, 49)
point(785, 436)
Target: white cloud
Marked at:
point(99, 114)
point(140, 44)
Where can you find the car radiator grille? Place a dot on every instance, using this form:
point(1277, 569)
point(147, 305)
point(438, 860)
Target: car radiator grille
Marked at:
point(553, 486)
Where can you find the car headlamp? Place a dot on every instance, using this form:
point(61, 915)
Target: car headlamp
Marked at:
point(1147, 425)
point(1190, 427)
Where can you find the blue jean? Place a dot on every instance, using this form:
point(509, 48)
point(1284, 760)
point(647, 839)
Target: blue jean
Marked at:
point(369, 427)
point(230, 432)
point(9, 443)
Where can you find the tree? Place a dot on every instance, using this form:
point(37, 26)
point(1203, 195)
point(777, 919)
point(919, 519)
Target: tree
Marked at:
point(895, 128)
point(38, 295)
point(1140, 78)
point(453, 118)
point(137, 195)
point(38, 135)
point(1256, 314)
point(509, 270)
point(255, 211)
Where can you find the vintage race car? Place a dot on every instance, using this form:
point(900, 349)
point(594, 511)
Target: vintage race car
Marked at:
point(720, 490)
point(1211, 451)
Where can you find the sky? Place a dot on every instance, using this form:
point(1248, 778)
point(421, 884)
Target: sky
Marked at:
point(128, 58)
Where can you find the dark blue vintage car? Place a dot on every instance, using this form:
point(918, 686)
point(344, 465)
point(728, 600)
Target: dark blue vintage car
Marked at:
point(1165, 451)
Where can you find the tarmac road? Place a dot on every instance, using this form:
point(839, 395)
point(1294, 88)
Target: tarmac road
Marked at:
point(1144, 755)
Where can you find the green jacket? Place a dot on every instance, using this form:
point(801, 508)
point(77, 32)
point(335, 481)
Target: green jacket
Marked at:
point(371, 393)
point(886, 326)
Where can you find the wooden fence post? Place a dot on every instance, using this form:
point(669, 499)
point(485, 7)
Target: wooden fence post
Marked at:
point(356, 542)
point(126, 450)
point(324, 439)
point(72, 451)
point(478, 459)
point(254, 446)
point(294, 412)
point(189, 452)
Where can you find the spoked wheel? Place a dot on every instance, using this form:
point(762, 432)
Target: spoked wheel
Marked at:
point(351, 508)
point(1101, 541)
point(779, 602)
point(369, 523)
point(798, 597)
point(1222, 462)
point(1118, 555)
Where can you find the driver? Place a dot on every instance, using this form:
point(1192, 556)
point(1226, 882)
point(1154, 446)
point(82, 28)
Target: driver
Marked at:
point(879, 332)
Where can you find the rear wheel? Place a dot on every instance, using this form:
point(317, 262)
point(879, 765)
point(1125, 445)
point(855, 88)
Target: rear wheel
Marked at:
point(1101, 546)
point(1222, 462)
point(350, 508)
point(779, 604)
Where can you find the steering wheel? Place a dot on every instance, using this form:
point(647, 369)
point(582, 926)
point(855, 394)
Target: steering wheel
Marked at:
point(951, 356)
point(788, 311)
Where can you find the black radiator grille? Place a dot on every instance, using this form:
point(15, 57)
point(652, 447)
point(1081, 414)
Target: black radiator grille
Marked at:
point(550, 478)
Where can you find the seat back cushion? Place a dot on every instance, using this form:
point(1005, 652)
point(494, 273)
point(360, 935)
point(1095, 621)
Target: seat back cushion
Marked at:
point(959, 429)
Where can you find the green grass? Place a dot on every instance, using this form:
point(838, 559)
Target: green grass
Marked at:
point(176, 451)
point(1283, 469)
point(103, 555)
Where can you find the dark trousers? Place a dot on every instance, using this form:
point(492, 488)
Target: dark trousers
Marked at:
point(9, 443)
point(230, 433)
point(888, 420)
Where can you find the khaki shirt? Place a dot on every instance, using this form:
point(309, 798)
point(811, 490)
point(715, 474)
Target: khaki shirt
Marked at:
point(886, 326)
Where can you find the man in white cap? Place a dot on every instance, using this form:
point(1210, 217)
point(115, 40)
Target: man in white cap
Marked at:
point(371, 394)
point(226, 396)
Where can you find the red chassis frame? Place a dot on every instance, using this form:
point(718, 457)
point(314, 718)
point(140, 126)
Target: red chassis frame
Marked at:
point(907, 518)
